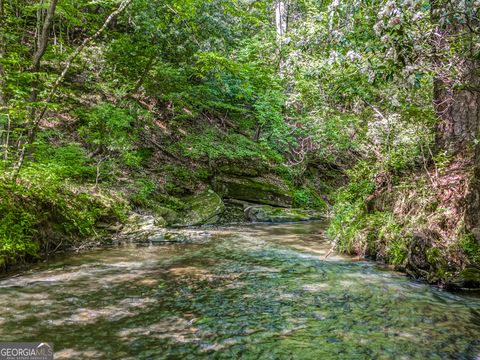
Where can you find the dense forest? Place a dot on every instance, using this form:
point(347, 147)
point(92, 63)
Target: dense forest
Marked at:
point(193, 112)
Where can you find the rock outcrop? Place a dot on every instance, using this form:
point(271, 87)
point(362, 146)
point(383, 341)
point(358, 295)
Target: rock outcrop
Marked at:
point(272, 214)
point(202, 209)
point(256, 190)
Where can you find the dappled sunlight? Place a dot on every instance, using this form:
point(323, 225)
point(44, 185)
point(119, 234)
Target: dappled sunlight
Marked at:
point(76, 354)
point(316, 287)
point(174, 328)
point(264, 287)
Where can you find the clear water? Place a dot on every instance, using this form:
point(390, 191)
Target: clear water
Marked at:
point(260, 292)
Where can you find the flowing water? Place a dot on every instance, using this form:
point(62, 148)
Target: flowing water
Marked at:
point(259, 292)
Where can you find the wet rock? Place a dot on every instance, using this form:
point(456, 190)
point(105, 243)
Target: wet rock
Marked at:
point(467, 279)
point(202, 209)
point(168, 237)
point(233, 214)
point(166, 216)
point(143, 229)
point(254, 189)
point(272, 214)
point(425, 260)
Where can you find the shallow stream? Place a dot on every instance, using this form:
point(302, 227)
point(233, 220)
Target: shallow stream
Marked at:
point(257, 292)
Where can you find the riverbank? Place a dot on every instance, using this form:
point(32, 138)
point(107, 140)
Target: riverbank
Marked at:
point(412, 220)
point(47, 210)
point(372, 222)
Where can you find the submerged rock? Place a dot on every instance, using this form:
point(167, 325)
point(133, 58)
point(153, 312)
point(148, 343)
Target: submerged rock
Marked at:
point(254, 189)
point(272, 214)
point(202, 209)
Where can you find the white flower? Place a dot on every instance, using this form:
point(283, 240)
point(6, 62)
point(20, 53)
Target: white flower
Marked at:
point(352, 55)
point(333, 57)
point(417, 16)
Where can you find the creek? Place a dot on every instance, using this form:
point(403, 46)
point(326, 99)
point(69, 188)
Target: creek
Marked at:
point(253, 292)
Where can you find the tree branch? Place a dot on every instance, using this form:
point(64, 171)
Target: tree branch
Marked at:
point(56, 84)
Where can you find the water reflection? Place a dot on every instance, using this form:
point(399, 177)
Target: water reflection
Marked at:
point(262, 292)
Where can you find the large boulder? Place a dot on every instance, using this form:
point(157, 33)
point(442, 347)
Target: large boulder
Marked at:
point(254, 189)
point(202, 209)
point(272, 214)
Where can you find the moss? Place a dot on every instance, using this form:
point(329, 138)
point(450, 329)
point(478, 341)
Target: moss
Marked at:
point(241, 168)
point(165, 215)
point(272, 214)
point(255, 190)
point(202, 209)
point(471, 248)
point(438, 263)
point(182, 180)
point(468, 278)
point(37, 217)
point(307, 198)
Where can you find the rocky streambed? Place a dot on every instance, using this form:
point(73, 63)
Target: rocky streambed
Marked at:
point(252, 292)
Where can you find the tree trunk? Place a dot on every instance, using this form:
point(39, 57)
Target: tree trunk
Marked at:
point(281, 20)
point(472, 200)
point(41, 47)
point(53, 90)
point(456, 97)
point(3, 97)
point(458, 110)
point(43, 38)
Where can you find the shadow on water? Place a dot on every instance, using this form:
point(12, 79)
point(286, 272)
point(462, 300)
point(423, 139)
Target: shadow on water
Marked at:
point(258, 292)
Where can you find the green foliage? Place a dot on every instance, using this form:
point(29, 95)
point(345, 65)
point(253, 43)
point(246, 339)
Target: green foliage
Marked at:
point(60, 163)
point(144, 192)
point(471, 248)
point(16, 227)
point(397, 250)
point(29, 210)
point(210, 144)
point(350, 215)
point(146, 195)
point(442, 159)
point(110, 130)
point(308, 199)
point(209, 82)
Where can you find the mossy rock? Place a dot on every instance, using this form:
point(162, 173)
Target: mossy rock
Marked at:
point(202, 209)
point(166, 216)
point(467, 279)
point(238, 170)
point(272, 214)
point(254, 189)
